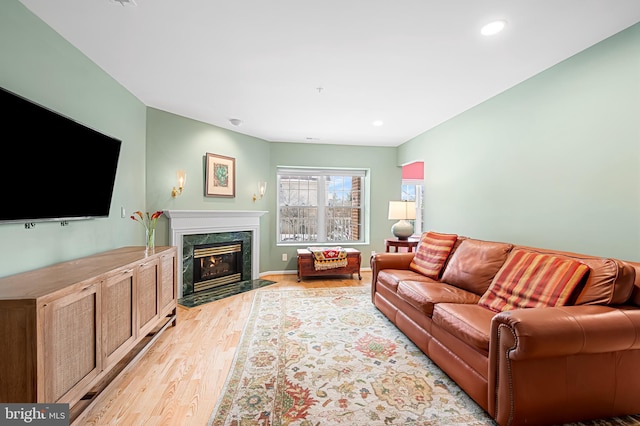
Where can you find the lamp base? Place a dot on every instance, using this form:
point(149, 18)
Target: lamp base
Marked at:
point(402, 230)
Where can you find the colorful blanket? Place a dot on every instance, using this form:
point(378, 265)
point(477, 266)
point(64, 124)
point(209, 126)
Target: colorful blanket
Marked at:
point(328, 257)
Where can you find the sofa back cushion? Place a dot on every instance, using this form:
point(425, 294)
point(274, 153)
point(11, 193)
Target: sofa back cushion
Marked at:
point(459, 241)
point(432, 253)
point(474, 264)
point(532, 280)
point(610, 281)
point(635, 293)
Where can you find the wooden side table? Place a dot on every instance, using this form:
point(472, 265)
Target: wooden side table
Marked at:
point(409, 243)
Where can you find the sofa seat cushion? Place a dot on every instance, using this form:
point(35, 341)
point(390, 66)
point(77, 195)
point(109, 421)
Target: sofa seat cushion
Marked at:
point(474, 264)
point(391, 277)
point(423, 295)
point(533, 280)
point(469, 323)
point(432, 253)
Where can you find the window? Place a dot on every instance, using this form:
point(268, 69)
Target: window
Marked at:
point(412, 190)
point(320, 205)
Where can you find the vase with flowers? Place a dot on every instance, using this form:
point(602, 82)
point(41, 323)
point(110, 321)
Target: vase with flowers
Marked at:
point(149, 222)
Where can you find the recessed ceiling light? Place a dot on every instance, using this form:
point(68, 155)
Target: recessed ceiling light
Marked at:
point(235, 121)
point(378, 123)
point(493, 27)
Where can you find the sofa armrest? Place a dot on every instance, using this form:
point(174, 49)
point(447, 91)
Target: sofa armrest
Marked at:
point(577, 354)
point(380, 261)
point(567, 330)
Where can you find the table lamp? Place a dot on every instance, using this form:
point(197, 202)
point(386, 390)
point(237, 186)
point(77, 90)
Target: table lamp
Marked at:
point(401, 211)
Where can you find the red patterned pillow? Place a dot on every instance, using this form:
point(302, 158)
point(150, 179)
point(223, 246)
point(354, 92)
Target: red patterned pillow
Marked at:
point(432, 252)
point(532, 280)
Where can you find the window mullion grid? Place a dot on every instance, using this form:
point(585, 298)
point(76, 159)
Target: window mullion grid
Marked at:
point(309, 208)
point(321, 212)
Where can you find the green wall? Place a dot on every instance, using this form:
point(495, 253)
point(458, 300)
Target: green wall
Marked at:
point(383, 184)
point(175, 142)
point(40, 65)
point(553, 162)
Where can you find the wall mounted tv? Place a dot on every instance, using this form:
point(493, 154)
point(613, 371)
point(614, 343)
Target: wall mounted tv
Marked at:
point(53, 168)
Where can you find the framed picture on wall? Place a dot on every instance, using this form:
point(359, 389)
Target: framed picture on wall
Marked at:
point(220, 176)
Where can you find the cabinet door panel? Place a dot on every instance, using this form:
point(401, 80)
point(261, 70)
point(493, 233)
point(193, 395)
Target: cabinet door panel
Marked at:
point(118, 326)
point(168, 287)
point(72, 343)
point(147, 295)
point(18, 360)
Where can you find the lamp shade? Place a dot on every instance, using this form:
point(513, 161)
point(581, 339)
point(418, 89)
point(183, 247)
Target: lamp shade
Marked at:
point(182, 178)
point(262, 188)
point(402, 210)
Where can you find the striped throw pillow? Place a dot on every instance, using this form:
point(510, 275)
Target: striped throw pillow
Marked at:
point(533, 280)
point(432, 252)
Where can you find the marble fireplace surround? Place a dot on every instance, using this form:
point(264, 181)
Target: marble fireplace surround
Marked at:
point(192, 222)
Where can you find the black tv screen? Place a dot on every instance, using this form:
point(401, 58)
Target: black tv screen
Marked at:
point(53, 168)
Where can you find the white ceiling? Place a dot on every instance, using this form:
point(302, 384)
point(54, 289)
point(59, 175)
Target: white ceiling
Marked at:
point(323, 71)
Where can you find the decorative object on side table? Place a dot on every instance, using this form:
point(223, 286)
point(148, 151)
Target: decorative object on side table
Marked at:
point(149, 221)
point(402, 211)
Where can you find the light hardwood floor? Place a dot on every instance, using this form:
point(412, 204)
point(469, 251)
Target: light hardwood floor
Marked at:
point(179, 379)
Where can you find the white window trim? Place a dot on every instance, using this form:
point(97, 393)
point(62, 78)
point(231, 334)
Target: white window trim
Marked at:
point(327, 171)
point(419, 184)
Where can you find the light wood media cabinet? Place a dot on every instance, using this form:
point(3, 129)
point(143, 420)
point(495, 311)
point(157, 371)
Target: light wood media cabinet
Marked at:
point(69, 329)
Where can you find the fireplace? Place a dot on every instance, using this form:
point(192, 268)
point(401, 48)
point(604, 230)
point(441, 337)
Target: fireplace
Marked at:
point(223, 258)
point(216, 265)
point(202, 227)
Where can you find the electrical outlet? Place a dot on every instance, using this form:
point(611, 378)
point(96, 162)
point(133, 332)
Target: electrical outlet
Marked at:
point(123, 213)
point(284, 257)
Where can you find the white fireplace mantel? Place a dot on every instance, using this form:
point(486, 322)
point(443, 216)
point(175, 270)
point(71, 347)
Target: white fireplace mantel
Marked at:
point(191, 222)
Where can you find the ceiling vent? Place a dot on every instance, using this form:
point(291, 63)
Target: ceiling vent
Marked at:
point(124, 2)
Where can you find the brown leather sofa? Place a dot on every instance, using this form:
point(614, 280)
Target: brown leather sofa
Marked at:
point(531, 366)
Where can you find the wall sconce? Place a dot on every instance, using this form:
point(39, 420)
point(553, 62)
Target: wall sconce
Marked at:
point(262, 188)
point(401, 211)
point(182, 178)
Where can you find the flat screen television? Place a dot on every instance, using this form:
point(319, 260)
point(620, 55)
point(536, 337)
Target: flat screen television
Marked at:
point(53, 168)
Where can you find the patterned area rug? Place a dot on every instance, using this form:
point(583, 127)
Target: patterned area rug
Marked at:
point(333, 359)
point(319, 357)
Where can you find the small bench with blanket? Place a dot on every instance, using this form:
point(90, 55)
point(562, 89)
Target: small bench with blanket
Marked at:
point(323, 261)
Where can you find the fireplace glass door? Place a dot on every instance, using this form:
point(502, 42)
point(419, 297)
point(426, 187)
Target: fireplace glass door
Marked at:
point(216, 265)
